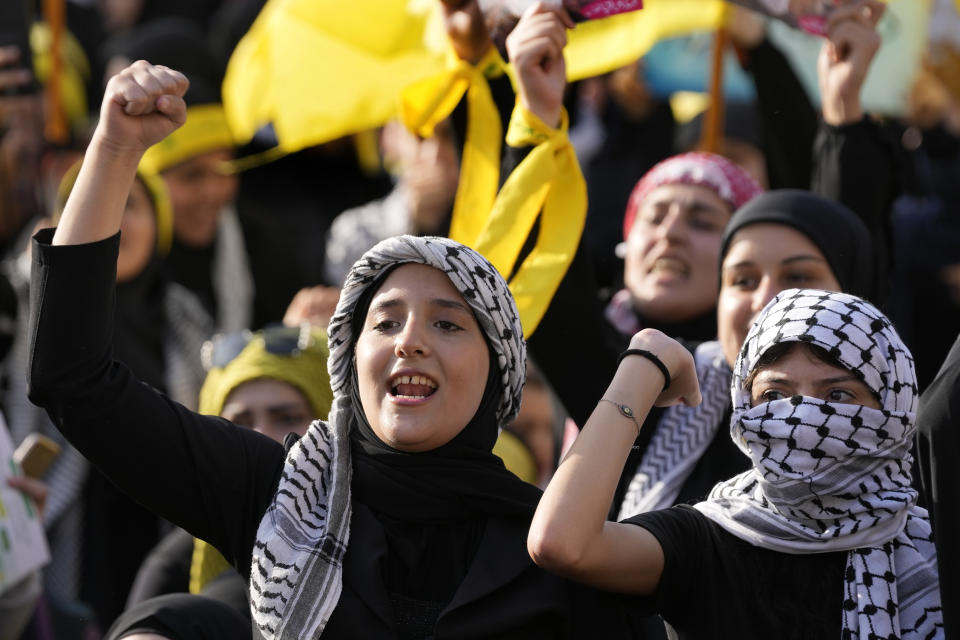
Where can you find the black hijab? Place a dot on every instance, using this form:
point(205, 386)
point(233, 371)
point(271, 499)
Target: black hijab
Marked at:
point(433, 505)
point(839, 234)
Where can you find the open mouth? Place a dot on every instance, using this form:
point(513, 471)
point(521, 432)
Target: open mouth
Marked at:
point(668, 265)
point(412, 387)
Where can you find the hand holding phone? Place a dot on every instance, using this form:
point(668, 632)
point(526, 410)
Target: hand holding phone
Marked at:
point(35, 455)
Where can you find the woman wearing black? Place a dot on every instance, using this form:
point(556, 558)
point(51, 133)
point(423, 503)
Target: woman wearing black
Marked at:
point(820, 538)
point(392, 519)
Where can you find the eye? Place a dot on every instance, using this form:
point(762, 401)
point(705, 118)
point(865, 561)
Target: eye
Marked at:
point(244, 419)
point(446, 325)
point(797, 277)
point(743, 281)
point(382, 326)
point(653, 215)
point(293, 419)
point(704, 222)
point(840, 395)
point(772, 394)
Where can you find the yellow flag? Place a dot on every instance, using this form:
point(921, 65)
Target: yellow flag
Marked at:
point(321, 69)
point(599, 46)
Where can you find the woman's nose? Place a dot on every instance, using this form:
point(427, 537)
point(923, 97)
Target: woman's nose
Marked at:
point(410, 341)
point(763, 294)
point(671, 227)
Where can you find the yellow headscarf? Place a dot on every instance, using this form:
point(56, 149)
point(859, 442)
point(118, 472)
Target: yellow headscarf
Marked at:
point(307, 371)
point(205, 130)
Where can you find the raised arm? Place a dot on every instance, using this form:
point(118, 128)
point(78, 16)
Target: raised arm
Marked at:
point(854, 163)
point(570, 534)
point(202, 473)
point(141, 106)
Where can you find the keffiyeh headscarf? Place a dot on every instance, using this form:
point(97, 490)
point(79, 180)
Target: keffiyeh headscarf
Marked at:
point(296, 573)
point(829, 476)
point(730, 182)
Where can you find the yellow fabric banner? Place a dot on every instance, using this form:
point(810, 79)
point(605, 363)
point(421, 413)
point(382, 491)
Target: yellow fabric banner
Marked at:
point(548, 184)
point(429, 101)
point(321, 69)
point(599, 46)
point(205, 130)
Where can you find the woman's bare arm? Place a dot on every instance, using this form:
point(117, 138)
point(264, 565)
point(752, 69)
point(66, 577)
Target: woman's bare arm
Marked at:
point(570, 534)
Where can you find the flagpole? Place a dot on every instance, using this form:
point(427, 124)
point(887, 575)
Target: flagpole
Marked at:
point(56, 120)
point(713, 122)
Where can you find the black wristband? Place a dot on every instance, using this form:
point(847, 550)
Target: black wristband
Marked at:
point(652, 357)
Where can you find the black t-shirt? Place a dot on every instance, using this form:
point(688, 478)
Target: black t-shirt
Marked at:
point(715, 585)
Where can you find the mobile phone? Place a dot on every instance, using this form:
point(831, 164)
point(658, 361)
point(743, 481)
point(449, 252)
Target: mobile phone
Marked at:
point(35, 455)
point(16, 17)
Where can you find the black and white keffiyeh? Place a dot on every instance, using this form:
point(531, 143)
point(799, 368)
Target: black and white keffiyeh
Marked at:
point(296, 573)
point(831, 477)
point(682, 435)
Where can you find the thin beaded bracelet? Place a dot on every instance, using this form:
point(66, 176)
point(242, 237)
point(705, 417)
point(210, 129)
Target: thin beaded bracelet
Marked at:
point(652, 357)
point(625, 411)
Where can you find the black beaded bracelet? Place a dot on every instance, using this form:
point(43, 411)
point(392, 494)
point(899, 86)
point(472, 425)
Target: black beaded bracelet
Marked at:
point(652, 357)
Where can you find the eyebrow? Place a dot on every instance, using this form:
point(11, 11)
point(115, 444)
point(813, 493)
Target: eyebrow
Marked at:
point(790, 260)
point(845, 378)
point(439, 302)
point(801, 258)
point(785, 380)
point(451, 304)
point(696, 204)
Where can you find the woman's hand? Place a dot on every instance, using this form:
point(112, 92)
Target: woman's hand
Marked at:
point(314, 305)
point(466, 29)
point(33, 488)
point(535, 47)
point(142, 105)
point(684, 387)
point(845, 59)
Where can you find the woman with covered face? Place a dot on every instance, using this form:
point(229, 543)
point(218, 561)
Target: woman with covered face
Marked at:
point(392, 518)
point(820, 537)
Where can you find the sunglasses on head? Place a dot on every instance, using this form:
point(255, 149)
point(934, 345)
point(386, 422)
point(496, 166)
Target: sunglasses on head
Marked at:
point(223, 348)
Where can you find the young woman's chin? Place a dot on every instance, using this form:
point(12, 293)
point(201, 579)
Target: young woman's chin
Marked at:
point(416, 433)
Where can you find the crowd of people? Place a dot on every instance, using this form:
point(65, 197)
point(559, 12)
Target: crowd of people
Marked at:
point(293, 402)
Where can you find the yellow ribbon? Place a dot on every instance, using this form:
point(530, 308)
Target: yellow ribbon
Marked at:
point(205, 130)
point(548, 184)
point(428, 102)
point(206, 564)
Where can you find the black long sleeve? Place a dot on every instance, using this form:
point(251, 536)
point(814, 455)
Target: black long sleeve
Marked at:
point(856, 164)
point(938, 453)
point(788, 119)
point(202, 473)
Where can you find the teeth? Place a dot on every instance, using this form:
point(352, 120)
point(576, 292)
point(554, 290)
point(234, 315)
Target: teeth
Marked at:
point(415, 380)
point(669, 264)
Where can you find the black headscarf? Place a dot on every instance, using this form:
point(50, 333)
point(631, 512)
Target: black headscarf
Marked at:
point(433, 505)
point(428, 510)
point(838, 233)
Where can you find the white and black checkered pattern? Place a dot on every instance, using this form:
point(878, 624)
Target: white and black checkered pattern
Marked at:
point(296, 573)
point(830, 476)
